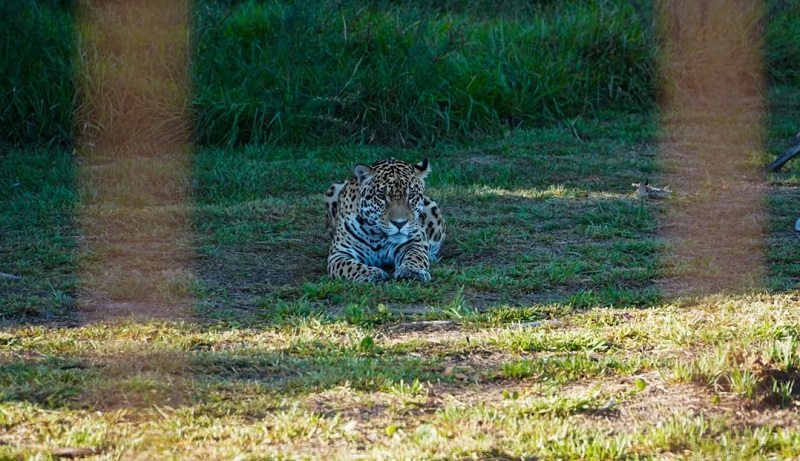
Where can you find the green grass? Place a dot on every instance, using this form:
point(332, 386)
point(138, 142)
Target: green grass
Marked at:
point(545, 334)
point(37, 89)
point(38, 240)
point(407, 74)
point(535, 237)
point(399, 73)
point(214, 389)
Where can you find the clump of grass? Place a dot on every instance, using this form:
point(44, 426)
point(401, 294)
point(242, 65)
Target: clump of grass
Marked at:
point(784, 354)
point(571, 367)
point(520, 369)
point(559, 405)
point(783, 358)
point(770, 375)
point(412, 389)
point(723, 369)
point(680, 432)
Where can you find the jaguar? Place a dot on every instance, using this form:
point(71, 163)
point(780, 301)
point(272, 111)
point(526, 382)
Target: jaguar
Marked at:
point(381, 221)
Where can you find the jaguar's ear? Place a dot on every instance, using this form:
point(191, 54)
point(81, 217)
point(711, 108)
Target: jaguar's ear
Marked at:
point(362, 172)
point(422, 169)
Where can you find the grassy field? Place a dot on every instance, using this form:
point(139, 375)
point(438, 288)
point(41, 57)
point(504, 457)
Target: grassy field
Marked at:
point(154, 310)
point(544, 334)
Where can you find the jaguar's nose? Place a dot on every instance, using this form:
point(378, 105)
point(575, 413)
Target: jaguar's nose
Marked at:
point(399, 223)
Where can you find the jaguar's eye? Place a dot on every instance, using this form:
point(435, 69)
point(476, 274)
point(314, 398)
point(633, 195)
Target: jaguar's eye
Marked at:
point(381, 197)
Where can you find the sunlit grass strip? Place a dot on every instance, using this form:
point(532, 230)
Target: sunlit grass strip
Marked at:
point(595, 385)
point(133, 130)
point(712, 134)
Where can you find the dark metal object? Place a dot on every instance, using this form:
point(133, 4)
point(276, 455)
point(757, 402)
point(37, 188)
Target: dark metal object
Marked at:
point(787, 155)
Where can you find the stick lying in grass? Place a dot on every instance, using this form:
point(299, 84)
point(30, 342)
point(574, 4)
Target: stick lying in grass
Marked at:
point(3, 275)
point(644, 190)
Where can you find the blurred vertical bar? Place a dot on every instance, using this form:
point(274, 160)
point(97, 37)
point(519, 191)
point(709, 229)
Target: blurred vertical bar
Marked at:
point(712, 123)
point(133, 128)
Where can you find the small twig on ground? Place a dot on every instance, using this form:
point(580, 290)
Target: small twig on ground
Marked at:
point(3, 275)
point(59, 452)
point(534, 324)
point(423, 325)
point(644, 190)
point(68, 452)
point(574, 131)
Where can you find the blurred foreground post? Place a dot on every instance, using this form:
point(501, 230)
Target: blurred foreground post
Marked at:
point(133, 128)
point(711, 138)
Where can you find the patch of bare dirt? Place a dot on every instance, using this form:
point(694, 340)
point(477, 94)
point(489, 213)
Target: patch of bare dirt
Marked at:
point(93, 310)
point(483, 160)
point(660, 401)
point(625, 413)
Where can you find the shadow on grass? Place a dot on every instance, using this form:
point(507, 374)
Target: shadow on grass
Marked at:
point(574, 235)
point(505, 248)
point(502, 250)
point(251, 381)
point(154, 376)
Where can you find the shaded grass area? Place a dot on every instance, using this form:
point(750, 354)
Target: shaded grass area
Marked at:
point(37, 89)
point(783, 201)
point(538, 217)
point(527, 224)
point(38, 241)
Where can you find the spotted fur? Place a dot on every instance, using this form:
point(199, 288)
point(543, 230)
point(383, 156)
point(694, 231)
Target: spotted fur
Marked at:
point(380, 220)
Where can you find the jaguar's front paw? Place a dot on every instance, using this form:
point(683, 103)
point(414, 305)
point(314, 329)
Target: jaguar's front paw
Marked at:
point(411, 273)
point(376, 274)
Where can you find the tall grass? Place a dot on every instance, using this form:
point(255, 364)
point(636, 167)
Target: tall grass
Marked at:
point(410, 74)
point(782, 47)
point(366, 71)
point(37, 89)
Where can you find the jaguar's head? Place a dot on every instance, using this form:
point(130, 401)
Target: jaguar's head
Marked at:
point(391, 195)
